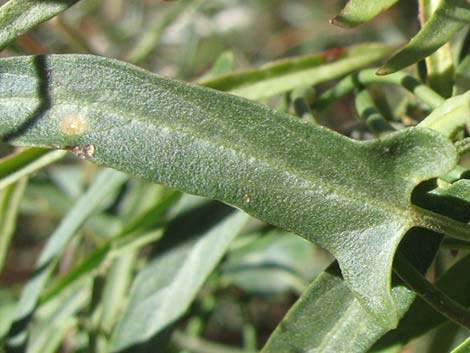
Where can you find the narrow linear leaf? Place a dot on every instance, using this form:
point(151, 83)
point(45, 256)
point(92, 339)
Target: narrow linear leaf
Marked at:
point(208, 143)
point(357, 12)
point(449, 117)
point(328, 319)
point(10, 198)
point(285, 75)
point(421, 318)
point(449, 18)
point(463, 348)
point(19, 16)
point(106, 182)
point(25, 162)
point(164, 289)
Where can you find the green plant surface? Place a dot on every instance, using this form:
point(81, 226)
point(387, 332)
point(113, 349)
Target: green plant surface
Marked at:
point(421, 318)
point(357, 12)
point(449, 17)
point(10, 199)
point(108, 181)
point(19, 16)
point(328, 318)
point(25, 162)
point(165, 288)
point(463, 348)
point(211, 145)
point(285, 75)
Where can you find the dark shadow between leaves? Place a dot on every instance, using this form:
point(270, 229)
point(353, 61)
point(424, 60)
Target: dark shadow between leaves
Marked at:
point(42, 92)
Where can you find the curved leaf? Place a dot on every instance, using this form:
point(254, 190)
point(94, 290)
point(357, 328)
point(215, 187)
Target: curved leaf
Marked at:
point(357, 12)
point(300, 177)
point(166, 287)
point(327, 317)
point(285, 75)
point(449, 17)
point(19, 16)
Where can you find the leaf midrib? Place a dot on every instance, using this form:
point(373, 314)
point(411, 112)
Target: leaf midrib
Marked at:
point(297, 174)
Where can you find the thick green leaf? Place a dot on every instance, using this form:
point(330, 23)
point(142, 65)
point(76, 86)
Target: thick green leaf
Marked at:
point(449, 17)
point(285, 75)
point(327, 317)
point(298, 176)
point(165, 288)
point(107, 182)
point(357, 12)
point(19, 16)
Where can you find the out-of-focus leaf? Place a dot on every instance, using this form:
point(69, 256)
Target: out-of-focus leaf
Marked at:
point(274, 262)
point(421, 318)
point(449, 117)
point(56, 318)
point(7, 310)
point(300, 177)
point(328, 319)
point(463, 348)
point(165, 288)
point(285, 75)
point(107, 182)
point(449, 17)
point(19, 16)
point(10, 198)
point(25, 162)
point(357, 12)
point(462, 77)
point(223, 65)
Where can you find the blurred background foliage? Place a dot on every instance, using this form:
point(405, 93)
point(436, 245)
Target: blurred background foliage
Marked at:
point(265, 269)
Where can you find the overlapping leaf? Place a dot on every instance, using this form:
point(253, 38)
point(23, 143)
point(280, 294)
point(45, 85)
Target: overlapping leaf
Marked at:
point(357, 12)
point(304, 178)
point(19, 16)
point(285, 75)
point(449, 17)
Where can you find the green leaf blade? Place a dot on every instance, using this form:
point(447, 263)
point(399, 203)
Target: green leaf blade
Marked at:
point(357, 12)
point(449, 18)
point(212, 144)
point(166, 287)
point(19, 16)
point(285, 75)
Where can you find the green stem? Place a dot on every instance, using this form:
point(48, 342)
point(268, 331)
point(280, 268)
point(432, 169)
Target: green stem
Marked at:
point(430, 293)
point(368, 77)
point(441, 224)
point(369, 114)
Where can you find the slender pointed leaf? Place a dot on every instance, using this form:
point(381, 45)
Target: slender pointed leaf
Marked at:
point(106, 182)
point(19, 16)
point(285, 75)
point(10, 198)
point(421, 318)
point(357, 12)
point(300, 177)
point(449, 18)
point(164, 289)
point(25, 162)
point(328, 319)
point(463, 348)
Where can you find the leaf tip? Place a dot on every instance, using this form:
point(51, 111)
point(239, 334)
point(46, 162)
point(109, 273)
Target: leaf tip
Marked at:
point(340, 21)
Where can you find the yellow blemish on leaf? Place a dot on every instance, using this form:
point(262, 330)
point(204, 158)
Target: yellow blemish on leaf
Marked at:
point(74, 124)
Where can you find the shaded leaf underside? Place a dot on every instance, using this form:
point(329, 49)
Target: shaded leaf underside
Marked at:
point(350, 197)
